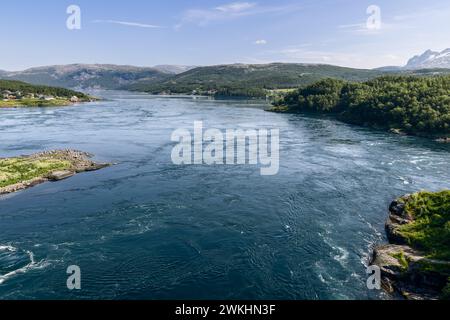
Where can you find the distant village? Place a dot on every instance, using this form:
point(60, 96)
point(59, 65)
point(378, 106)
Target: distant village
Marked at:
point(18, 95)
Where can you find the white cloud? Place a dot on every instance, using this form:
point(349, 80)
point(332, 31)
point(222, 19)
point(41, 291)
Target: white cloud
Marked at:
point(230, 11)
point(236, 7)
point(129, 24)
point(202, 17)
point(261, 42)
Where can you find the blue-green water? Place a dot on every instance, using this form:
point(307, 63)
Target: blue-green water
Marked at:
point(148, 229)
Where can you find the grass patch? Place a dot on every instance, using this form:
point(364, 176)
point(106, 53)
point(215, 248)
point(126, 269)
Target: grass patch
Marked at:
point(15, 170)
point(402, 260)
point(279, 109)
point(430, 230)
point(34, 103)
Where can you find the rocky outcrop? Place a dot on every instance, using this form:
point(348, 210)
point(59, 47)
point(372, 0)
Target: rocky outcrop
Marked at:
point(22, 185)
point(406, 272)
point(79, 162)
point(443, 140)
point(60, 175)
point(397, 218)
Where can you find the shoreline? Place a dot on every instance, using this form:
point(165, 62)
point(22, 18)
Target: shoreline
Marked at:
point(14, 104)
point(434, 137)
point(406, 271)
point(54, 165)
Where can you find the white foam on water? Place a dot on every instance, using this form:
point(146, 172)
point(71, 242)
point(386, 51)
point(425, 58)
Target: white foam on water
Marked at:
point(405, 181)
point(342, 257)
point(321, 278)
point(8, 248)
point(32, 265)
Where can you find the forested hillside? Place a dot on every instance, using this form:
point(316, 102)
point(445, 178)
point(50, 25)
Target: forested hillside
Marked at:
point(26, 89)
point(98, 76)
point(249, 80)
point(414, 105)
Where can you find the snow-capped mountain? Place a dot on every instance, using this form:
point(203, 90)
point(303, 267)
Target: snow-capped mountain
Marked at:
point(430, 59)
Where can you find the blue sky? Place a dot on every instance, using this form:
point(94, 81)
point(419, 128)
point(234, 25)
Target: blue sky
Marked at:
point(206, 32)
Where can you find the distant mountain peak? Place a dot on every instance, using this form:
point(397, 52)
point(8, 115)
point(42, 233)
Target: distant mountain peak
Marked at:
point(83, 76)
point(430, 59)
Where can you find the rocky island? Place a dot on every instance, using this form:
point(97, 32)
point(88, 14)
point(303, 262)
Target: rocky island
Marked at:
point(23, 172)
point(415, 264)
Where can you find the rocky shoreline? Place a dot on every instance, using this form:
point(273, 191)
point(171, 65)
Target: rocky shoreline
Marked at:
point(78, 162)
point(406, 272)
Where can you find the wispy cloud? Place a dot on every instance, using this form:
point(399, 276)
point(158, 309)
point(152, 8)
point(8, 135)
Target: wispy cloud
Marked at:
point(431, 12)
point(202, 17)
point(129, 24)
point(236, 7)
point(305, 53)
point(261, 42)
point(230, 11)
point(362, 28)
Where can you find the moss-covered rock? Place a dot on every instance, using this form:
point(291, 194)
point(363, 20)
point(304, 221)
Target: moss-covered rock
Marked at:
point(416, 263)
point(429, 228)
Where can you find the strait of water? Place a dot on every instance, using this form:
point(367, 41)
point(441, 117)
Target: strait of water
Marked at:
point(148, 229)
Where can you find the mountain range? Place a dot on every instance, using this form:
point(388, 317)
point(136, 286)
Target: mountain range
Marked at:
point(95, 76)
point(430, 59)
point(427, 60)
point(229, 80)
point(249, 79)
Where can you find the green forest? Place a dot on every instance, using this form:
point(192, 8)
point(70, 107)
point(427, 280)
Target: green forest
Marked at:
point(409, 104)
point(249, 80)
point(26, 88)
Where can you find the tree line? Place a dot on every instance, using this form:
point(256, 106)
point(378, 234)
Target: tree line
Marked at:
point(25, 88)
point(408, 103)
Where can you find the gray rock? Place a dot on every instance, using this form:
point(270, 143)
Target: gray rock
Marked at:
point(397, 208)
point(60, 175)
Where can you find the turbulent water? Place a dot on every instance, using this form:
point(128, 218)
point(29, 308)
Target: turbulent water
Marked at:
point(148, 229)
